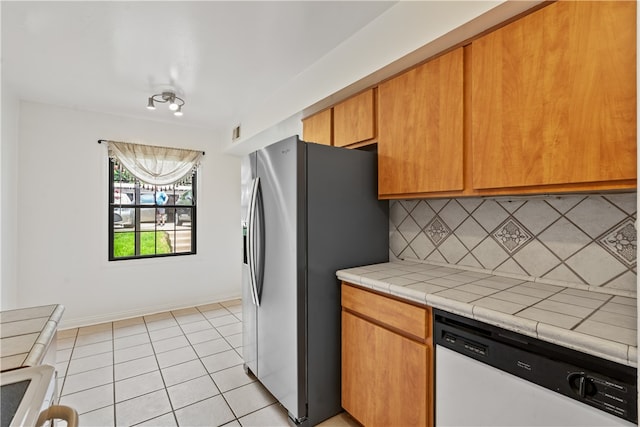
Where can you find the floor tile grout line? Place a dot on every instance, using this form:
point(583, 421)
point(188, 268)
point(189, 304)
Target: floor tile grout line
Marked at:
point(223, 336)
point(87, 389)
point(113, 356)
point(235, 418)
point(191, 345)
point(166, 390)
point(84, 359)
point(158, 416)
point(235, 388)
point(60, 396)
point(221, 393)
point(140, 374)
point(96, 409)
point(276, 403)
point(167, 387)
point(112, 342)
point(67, 367)
point(210, 373)
point(174, 349)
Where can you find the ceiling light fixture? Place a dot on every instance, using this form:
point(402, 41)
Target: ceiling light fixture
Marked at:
point(175, 102)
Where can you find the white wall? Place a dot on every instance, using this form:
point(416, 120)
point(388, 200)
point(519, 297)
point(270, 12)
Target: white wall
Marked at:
point(286, 128)
point(8, 200)
point(62, 226)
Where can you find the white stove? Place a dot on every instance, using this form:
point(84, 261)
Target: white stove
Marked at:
point(25, 393)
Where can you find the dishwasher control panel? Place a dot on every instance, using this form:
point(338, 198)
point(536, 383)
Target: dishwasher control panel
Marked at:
point(606, 385)
point(466, 345)
point(605, 393)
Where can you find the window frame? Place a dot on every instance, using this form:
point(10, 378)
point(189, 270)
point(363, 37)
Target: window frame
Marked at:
point(136, 230)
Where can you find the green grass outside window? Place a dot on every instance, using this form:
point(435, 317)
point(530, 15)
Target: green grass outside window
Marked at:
point(151, 243)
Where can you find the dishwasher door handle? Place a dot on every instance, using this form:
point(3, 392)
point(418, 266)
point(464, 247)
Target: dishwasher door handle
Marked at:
point(61, 412)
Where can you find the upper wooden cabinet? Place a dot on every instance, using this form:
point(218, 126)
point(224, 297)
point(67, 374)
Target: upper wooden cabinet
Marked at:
point(553, 99)
point(420, 129)
point(544, 104)
point(354, 119)
point(318, 128)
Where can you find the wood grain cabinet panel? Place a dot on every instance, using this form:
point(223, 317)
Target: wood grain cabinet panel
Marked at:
point(553, 97)
point(391, 313)
point(319, 128)
point(386, 372)
point(354, 119)
point(420, 129)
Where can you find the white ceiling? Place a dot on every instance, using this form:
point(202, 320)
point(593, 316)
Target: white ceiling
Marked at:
point(221, 57)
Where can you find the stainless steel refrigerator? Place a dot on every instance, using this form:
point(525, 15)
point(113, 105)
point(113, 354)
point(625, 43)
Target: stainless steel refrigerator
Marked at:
point(308, 210)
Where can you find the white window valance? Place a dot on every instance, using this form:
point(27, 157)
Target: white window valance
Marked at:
point(155, 165)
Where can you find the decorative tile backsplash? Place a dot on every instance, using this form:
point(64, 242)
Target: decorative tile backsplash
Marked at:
point(584, 239)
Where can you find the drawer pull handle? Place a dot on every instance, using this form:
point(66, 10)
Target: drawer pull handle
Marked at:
point(62, 412)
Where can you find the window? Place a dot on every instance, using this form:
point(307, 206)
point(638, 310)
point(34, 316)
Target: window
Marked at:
point(150, 219)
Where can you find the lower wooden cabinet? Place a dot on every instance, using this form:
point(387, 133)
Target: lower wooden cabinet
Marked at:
point(386, 360)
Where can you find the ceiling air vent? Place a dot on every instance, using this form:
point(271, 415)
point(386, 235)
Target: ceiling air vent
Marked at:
point(235, 134)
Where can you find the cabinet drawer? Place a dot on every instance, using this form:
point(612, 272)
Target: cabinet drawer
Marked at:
point(403, 317)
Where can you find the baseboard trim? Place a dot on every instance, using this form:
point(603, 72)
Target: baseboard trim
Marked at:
point(142, 311)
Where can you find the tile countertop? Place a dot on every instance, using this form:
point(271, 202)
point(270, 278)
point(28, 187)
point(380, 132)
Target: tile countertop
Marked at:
point(25, 335)
point(601, 322)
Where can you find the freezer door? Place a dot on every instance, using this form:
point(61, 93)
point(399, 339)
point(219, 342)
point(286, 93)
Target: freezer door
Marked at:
point(249, 314)
point(281, 314)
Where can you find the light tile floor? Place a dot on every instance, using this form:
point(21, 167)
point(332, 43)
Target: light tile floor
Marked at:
point(178, 368)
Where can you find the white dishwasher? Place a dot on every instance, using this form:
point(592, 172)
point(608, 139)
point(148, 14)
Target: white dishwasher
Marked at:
point(487, 376)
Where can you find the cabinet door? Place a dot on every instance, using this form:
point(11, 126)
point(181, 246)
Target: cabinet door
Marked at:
point(420, 135)
point(318, 128)
point(384, 375)
point(354, 119)
point(553, 97)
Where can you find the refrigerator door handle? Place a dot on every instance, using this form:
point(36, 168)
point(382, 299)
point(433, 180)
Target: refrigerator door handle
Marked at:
point(258, 244)
point(252, 241)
